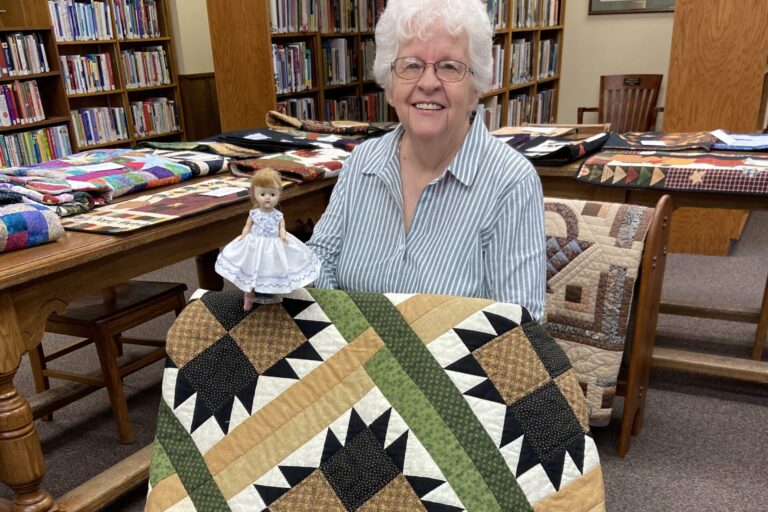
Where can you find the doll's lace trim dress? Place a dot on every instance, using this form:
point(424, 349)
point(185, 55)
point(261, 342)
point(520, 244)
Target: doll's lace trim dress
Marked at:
point(262, 262)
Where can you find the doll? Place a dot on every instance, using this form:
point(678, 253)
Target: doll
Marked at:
point(265, 260)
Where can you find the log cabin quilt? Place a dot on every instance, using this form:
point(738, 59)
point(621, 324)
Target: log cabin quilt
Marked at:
point(594, 251)
point(344, 401)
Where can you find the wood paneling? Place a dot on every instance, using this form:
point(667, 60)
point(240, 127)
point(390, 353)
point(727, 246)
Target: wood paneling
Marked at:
point(242, 60)
point(717, 65)
point(707, 231)
point(201, 115)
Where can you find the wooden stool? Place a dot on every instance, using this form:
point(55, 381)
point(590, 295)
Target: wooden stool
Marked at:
point(100, 319)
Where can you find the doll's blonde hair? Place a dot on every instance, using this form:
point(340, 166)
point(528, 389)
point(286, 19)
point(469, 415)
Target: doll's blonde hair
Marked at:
point(265, 178)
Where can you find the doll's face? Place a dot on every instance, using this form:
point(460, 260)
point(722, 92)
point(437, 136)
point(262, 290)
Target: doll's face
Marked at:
point(266, 198)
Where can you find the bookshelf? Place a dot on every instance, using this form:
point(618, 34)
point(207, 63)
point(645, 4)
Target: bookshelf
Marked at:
point(116, 78)
point(301, 44)
point(34, 114)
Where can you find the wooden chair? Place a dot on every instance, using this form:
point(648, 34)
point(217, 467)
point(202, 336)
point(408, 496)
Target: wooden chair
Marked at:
point(635, 363)
point(100, 319)
point(628, 102)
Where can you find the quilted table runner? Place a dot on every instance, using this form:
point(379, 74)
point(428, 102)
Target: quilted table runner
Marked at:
point(640, 141)
point(594, 251)
point(678, 171)
point(151, 209)
point(343, 401)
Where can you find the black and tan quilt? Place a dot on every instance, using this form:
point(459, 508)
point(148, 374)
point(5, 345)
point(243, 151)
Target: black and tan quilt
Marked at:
point(594, 251)
point(343, 401)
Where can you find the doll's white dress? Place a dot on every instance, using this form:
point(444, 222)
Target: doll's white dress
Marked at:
point(262, 262)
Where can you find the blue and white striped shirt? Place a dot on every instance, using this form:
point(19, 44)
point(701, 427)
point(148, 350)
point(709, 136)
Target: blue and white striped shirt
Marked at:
point(478, 230)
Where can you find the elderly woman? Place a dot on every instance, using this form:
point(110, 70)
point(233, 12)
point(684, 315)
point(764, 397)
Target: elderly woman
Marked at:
point(437, 205)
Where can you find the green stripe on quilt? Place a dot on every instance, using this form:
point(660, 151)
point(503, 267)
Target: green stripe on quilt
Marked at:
point(416, 360)
point(161, 467)
point(186, 458)
point(436, 437)
point(341, 311)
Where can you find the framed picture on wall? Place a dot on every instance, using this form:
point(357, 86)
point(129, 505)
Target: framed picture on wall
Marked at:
point(630, 6)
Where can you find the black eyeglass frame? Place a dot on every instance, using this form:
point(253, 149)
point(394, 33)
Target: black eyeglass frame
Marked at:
point(467, 69)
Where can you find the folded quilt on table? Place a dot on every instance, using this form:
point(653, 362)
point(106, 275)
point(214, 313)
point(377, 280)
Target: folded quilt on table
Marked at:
point(300, 166)
point(639, 141)
point(594, 251)
point(338, 400)
point(216, 148)
point(26, 224)
point(200, 163)
point(101, 175)
point(743, 173)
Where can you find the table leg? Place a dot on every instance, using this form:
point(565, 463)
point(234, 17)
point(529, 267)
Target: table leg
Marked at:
point(762, 327)
point(207, 278)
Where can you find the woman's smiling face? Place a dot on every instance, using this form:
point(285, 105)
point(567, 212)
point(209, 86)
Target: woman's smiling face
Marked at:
point(428, 108)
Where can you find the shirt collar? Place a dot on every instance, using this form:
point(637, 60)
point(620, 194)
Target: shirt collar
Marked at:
point(463, 166)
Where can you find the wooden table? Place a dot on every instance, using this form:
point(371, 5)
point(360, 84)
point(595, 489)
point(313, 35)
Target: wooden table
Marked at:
point(37, 281)
point(559, 182)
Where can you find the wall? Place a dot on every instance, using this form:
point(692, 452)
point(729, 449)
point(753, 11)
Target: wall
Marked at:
point(193, 40)
point(609, 45)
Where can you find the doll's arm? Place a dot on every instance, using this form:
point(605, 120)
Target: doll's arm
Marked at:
point(247, 228)
point(281, 234)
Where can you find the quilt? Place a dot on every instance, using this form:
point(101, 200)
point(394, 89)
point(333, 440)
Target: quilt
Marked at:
point(678, 171)
point(151, 209)
point(594, 251)
point(639, 141)
point(300, 165)
point(344, 401)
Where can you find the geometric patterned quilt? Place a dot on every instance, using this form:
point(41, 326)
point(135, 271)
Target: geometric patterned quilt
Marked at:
point(347, 401)
point(682, 171)
point(594, 251)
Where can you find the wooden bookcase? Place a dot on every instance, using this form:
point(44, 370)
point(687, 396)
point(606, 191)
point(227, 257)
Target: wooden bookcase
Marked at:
point(242, 37)
point(540, 29)
point(30, 14)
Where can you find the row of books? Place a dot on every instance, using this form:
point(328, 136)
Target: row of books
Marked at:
point(292, 64)
point(375, 107)
point(343, 108)
point(525, 13)
point(145, 67)
point(91, 72)
point(20, 103)
point(368, 50)
point(300, 108)
point(531, 109)
point(76, 21)
point(522, 56)
point(340, 64)
point(491, 113)
point(23, 54)
point(99, 125)
point(35, 146)
point(154, 116)
point(328, 16)
point(548, 58)
point(497, 79)
point(136, 19)
point(497, 13)
point(550, 13)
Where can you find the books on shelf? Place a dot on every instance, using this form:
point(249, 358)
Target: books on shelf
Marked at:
point(547, 58)
point(288, 16)
point(340, 62)
point(20, 103)
point(292, 64)
point(91, 72)
point(550, 13)
point(145, 67)
point(491, 113)
point(336, 16)
point(99, 125)
point(79, 21)
point(22, 54)
point(300, 108)
point(136, 19)
point(34, 146)
point(369, 13)
point(521, 62)
point(497, 79)
point(519, 109)
point(154, 116)
point(368, 52)
point(497, 13)
point(343, 108)
point(375, 107)
point(525, 13)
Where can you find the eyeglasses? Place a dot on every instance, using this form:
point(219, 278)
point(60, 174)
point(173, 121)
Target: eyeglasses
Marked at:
point(411, 68)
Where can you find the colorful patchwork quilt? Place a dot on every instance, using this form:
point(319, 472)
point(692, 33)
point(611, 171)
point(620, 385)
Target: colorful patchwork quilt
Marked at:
point(299, 166)
point(26, 225)
point(200, 163)
point(594, 251)
point(678, 171)
point(344, 401)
